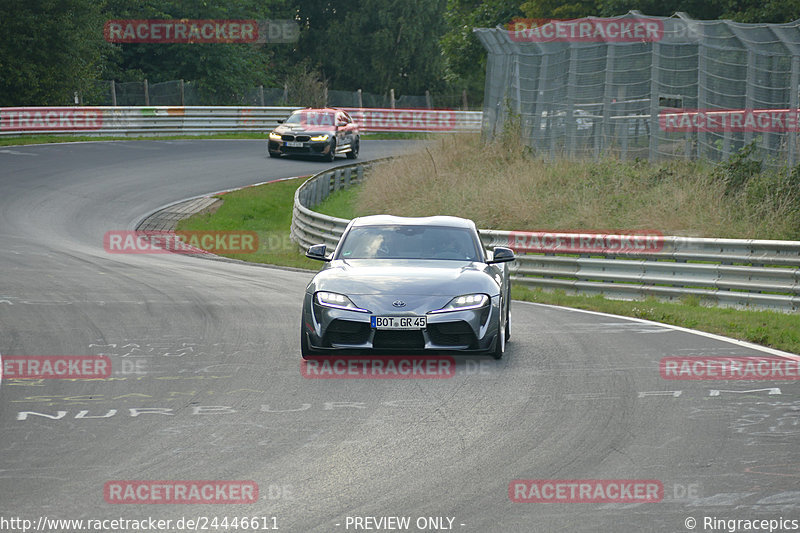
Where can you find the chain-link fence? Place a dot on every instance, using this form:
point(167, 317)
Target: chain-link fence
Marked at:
point(180, 93)
point(648, 87)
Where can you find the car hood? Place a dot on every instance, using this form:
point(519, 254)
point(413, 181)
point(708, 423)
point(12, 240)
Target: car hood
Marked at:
point(398, 277)
point(295, 129)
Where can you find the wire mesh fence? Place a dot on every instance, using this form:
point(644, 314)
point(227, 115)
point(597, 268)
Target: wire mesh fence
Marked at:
point(188, 93)
point(688, 89)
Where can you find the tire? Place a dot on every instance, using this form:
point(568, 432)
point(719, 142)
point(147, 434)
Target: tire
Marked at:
point(332, 155)
point(508, 321)
point(353, 153)
point(500, 341)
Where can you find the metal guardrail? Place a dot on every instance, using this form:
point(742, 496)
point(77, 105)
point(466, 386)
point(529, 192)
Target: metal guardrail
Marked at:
point(762, 274)
point(165, 120)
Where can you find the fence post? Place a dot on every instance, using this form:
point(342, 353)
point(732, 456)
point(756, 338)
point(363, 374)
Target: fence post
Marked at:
point(183, 99)
point(608, 129)
point(702, 87)
point(261, 94)
point(571, 125)
point(285, 93)
point(655, 64)
point(791, 134)
point(391, 98)
point(428, 103)
point(113, 93)
point(146, 93)
point(464, 103)
point(360, 100)
point(749, 97)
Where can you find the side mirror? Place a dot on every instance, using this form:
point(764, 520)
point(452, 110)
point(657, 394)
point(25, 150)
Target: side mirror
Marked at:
point(501, 255)
point(341, 124)
point(280, 121)
point(317, 252)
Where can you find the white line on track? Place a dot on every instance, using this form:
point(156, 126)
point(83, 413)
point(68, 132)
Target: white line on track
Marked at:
point(744, 344)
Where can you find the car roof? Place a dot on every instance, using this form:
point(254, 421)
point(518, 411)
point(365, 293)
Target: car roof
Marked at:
point(318, 109)
point(385, 220)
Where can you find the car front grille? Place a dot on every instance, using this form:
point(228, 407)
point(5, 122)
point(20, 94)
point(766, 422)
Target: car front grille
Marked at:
point(452, 334)
point(302, 138)
point(347, 332)
point(406, 340)
point(287, 137)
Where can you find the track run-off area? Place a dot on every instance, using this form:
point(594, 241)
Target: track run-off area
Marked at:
point(206, 384)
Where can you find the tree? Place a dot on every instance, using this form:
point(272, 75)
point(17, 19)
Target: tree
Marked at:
point(49, 49)
point(464, 56)
point(375, 45)
point(222, 71)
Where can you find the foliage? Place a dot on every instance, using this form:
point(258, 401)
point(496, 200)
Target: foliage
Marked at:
point(51, 48)
point(464, 58)
point(739, 168)
point(48, 51)
point(374, 45)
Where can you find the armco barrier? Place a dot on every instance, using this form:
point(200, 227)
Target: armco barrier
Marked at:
point(727, 272)
point(164, 120)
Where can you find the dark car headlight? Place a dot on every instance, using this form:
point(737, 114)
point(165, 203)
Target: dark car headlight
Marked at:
point(337, 301)
point(465, 302)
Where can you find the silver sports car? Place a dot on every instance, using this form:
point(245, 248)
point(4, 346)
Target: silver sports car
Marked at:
point(397, 283)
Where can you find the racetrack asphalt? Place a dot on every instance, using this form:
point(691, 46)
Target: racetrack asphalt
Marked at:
point(206, 382)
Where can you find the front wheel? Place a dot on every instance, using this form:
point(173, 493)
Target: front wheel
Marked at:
point(500, 340)
point(332, 153)
point(353, 153)
point(508, 321)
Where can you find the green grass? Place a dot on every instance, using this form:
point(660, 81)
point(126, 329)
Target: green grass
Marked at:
point(267, 210)
point(341, 204)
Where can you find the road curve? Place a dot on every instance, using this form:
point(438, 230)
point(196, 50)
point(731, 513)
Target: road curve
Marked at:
point(207, 383)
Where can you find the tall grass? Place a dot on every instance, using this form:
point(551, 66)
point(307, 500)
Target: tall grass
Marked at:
point(502, 186)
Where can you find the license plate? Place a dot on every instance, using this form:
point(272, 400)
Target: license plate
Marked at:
point(294, 144)
point(398, 322)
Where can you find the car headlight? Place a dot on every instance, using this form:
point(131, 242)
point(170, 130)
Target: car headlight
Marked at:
point(274, 136)
point(320, 138)
point(338, 301)
point(464, 302)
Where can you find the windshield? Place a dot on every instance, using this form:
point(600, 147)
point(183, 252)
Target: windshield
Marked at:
point(312, 119)
point(409, 242)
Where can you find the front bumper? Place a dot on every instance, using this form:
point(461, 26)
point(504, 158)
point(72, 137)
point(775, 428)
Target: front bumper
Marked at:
point(320, 148)
point(473, 330)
